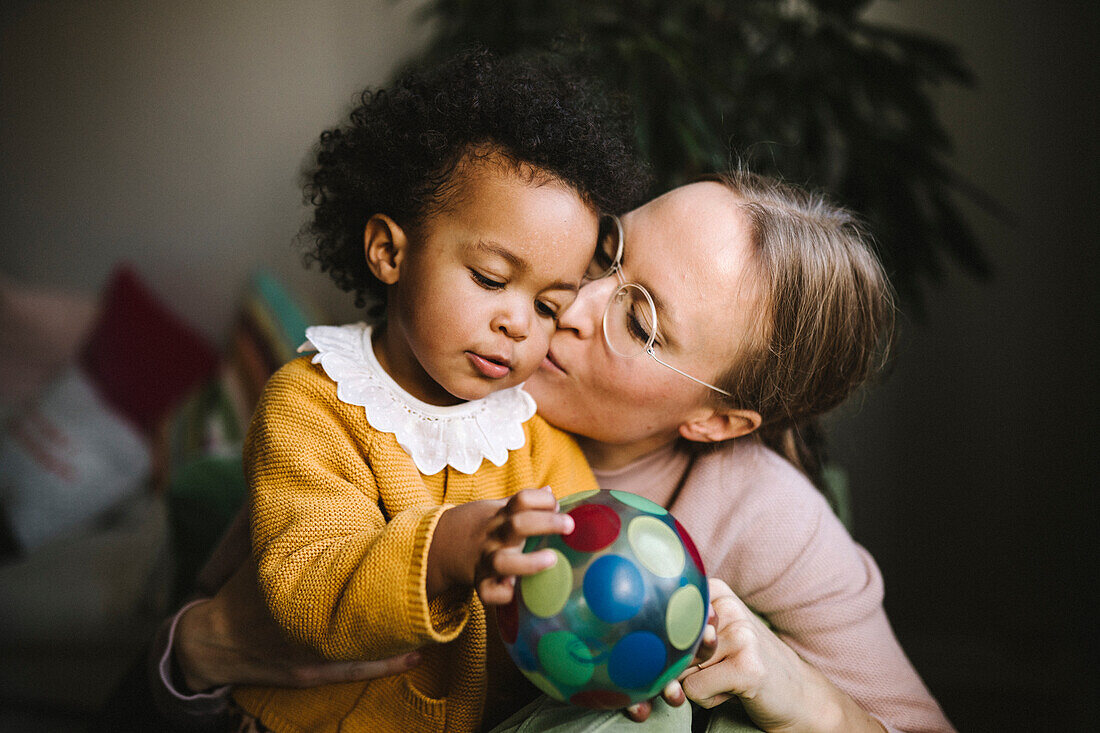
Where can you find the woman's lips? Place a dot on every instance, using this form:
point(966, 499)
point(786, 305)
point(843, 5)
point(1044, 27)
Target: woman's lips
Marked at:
point(490, 366)
point(551, 364)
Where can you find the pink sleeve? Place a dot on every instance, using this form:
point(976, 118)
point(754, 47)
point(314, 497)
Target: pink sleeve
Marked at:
point(183, 709)
point(838, 624)
point(779, 546)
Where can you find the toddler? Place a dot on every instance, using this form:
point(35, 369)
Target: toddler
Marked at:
point(394, 474)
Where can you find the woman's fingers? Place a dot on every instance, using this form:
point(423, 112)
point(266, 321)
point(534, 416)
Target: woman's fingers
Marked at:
point(330, 673)
point(639, 712)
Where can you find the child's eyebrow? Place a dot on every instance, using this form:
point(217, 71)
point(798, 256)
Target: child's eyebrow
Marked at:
point(519, 263)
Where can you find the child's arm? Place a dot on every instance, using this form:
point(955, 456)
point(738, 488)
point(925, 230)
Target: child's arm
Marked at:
point(337, 573)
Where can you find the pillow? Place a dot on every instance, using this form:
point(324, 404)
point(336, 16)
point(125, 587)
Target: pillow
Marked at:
point(41, 331)
point(83, 443)
point(64, 458)
point(142, 357)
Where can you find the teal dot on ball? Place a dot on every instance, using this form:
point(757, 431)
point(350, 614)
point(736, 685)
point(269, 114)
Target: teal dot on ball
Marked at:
point(622, 611)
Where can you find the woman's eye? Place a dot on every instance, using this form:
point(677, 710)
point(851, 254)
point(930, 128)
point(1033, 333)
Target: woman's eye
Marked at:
point(486, 282)
point(545, 309)
point(637, 329)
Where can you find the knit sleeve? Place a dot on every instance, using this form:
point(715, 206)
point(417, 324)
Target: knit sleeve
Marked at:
point(336, 573)
point(557, 459)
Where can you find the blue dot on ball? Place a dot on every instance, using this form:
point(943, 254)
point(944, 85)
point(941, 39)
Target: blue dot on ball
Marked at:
point(637, 660)
point(614, 589)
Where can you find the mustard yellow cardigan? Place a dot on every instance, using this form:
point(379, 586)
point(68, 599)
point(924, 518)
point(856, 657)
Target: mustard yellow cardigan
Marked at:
point(341, 526)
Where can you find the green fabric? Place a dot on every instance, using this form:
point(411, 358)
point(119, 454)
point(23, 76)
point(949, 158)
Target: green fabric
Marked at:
point(203, 497)
point(546, 715)
point(835, 478)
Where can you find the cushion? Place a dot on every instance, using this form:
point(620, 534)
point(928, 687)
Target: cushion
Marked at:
point(41, 331)
point(142, 357)
point(66, 457)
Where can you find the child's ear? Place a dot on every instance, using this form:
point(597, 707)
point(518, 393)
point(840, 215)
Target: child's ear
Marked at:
point(722, 425)
point(384, 243)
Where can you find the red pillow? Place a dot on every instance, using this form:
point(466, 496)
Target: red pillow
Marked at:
point(141, 356)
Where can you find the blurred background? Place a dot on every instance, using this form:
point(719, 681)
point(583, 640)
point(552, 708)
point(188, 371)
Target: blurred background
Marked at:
point(170, 136)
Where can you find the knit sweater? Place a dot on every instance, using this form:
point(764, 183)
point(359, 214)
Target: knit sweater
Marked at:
point(762, 527)
point(341, 524)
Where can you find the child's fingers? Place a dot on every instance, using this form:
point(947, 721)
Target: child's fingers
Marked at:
point(496, 591)
point(513, 561)
point(534, 499)
point(533, 523)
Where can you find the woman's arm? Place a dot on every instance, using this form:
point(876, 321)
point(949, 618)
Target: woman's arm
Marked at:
point(740, 657)
point(778, 690)
point(229, 639)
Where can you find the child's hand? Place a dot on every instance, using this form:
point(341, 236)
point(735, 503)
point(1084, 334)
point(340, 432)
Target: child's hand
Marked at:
point(481, 543)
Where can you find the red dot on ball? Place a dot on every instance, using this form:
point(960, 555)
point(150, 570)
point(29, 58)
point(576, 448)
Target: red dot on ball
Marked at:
point(600, 699)
point(690, 546)
point(596, 527)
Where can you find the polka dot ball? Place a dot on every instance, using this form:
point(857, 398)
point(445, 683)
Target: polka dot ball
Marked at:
point(621, 612)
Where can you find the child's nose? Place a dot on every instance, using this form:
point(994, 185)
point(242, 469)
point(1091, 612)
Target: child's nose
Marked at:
point(514, 322)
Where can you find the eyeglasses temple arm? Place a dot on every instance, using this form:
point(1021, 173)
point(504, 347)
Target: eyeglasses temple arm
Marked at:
point(697, 381)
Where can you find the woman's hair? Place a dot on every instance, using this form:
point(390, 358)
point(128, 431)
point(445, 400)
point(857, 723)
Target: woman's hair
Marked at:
point(827, 317)
point(401, 146)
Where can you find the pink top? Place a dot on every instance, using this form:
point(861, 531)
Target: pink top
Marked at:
point(764, 529)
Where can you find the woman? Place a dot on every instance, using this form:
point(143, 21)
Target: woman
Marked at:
point(736, 311)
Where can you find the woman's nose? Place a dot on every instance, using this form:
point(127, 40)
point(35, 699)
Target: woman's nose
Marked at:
point(585, 314)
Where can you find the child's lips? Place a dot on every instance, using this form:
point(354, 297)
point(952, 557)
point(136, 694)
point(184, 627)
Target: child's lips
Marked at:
point(491, 365)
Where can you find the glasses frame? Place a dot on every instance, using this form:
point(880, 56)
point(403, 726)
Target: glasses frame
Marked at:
point(617, 268)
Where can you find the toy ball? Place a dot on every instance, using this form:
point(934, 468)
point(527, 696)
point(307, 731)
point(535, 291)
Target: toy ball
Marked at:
point(621, 612)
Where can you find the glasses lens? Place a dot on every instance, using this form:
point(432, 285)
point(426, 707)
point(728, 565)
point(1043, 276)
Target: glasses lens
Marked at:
point(630, 321)
point(607, 248)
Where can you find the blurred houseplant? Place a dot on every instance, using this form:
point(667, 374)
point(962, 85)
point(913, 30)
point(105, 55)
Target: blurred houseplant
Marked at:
point(804, 89)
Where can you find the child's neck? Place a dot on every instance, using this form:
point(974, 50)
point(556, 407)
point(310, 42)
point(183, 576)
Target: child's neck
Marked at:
point(396, 359)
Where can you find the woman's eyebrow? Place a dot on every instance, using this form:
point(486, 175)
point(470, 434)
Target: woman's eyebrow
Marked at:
point(518, 263)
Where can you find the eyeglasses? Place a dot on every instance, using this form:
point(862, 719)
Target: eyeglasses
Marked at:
point(630, 319)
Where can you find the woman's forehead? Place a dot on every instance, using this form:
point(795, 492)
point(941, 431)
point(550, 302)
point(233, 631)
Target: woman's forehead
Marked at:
point(691, 248)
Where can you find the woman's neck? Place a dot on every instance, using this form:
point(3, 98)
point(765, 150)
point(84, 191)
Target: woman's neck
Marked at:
point(611, 456)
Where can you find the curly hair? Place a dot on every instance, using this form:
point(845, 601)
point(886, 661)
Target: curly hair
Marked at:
point(400, 147)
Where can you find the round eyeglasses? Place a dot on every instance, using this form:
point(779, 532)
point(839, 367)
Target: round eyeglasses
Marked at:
point(630, 319)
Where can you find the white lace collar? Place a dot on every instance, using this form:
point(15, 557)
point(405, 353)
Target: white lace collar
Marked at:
point(458, 435)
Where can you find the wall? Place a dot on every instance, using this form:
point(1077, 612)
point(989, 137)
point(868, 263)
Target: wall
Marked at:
point(171, 134)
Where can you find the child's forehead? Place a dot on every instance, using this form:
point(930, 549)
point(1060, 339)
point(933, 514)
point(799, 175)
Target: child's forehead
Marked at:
point(490, 162)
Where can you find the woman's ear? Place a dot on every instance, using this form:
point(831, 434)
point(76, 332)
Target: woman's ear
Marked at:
point(719, 426)
point(384, 243)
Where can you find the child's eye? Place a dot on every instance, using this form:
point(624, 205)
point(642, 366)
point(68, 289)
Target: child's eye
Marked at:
point(486, 282)
point(546, 310)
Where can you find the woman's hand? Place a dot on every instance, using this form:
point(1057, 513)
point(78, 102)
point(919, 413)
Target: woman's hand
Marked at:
point(231, 639)
point(741, 657)
point(481, 544)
